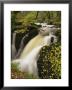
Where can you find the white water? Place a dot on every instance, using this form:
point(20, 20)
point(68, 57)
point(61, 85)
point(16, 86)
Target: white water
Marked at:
point(33, 43)
point(13, 46)
point(29, 56)
point(29, 63)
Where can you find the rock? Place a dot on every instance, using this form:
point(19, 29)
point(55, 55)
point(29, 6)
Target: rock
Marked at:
point(49, 62)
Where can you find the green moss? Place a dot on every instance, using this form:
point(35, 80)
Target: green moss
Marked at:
point(16, 74)
point(49, 62)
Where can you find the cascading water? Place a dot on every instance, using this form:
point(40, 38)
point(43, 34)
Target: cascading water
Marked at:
point(36, 41)
point(29, 56)
point(13, 48)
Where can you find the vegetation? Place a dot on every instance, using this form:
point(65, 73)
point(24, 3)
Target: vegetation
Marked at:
point(21, 20)
point(49, 62)
point(16, 74)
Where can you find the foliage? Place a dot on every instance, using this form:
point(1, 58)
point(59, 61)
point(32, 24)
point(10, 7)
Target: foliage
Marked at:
point(23, 19)
point(49, 62)
point(16, 74)
point(58, 34)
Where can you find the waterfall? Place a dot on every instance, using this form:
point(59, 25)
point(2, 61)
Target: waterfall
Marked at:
point(27, 61)
point(21, 46)
point(36, 41)
point(13, 48)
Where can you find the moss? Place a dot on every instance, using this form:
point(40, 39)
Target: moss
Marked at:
point(49, 62)
point(58, 34)
point(16, 74)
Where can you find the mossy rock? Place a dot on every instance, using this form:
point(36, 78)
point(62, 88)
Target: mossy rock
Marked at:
point(58, 34)
point(49, 62)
